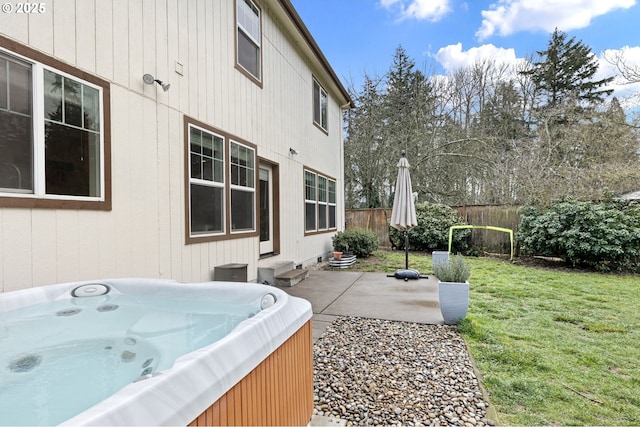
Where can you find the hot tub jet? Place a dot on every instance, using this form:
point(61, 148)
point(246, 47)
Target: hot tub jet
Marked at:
point(107, 307)
point(25, 363)
point(68, 312)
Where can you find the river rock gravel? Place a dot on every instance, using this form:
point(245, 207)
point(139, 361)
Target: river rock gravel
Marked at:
point(381, 372)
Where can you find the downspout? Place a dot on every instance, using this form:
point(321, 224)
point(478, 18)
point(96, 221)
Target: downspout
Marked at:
point(346, 106)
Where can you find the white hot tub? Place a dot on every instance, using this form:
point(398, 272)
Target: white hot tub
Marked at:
point(148, 352)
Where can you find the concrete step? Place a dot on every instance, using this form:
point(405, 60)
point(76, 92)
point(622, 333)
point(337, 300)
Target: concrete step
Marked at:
point(267, 275)
point(292, 277)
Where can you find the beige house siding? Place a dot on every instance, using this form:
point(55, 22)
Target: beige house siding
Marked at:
point(143, 235)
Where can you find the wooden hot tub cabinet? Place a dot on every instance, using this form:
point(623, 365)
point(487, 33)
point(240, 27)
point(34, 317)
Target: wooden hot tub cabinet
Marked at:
point(279, 391)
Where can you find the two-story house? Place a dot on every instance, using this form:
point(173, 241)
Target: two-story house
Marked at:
point(164, 138)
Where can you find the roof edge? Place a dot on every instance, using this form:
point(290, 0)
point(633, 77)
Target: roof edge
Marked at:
point(297, 21)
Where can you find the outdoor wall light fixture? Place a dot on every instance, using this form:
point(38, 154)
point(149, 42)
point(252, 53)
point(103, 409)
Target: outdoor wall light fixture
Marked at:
point(293, 151)
point(149, 79)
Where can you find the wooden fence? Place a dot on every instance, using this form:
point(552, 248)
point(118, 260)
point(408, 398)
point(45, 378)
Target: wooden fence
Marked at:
point(498, 216)
point(371, 219)
point(487, 240)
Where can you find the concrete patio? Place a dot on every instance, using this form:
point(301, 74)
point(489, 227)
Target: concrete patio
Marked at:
point(369, 295)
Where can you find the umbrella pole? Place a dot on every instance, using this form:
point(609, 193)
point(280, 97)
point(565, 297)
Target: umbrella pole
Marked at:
point(406, 250)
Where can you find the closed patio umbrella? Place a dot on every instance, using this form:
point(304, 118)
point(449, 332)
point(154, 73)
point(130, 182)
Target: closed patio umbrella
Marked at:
point(403, 214)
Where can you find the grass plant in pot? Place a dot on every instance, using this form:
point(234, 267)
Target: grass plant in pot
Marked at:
point(453, 289)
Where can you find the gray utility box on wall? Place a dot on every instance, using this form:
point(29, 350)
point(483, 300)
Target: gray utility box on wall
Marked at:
point(230, 273)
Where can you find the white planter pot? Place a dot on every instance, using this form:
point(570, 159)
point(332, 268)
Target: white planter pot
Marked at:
point(454, 301)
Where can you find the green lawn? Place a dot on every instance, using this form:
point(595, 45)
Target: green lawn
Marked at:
point(553, 347)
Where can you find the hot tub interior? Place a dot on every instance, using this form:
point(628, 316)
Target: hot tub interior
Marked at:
point(70, 352)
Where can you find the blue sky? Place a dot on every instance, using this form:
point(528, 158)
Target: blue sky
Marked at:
point(359, 36)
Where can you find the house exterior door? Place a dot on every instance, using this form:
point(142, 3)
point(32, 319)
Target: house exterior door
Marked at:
point(266, 209)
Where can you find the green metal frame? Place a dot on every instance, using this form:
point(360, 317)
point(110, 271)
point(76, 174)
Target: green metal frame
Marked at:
point(485, 227)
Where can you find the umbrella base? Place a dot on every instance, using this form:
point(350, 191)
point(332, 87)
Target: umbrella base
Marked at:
point(407, 274)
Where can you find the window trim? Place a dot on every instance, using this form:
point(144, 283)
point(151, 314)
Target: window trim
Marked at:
point(321, 91)
point(255, 79)
point(227, 234)
point(327, 204)
point(50, 201)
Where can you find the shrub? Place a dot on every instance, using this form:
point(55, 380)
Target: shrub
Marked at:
point(456, 270)
point(432, 232)
point(360, 241)
point(600, 235)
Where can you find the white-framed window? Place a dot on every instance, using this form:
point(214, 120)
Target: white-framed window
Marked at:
point(331, 206)
point(319, 203)
point(319, 105)
point(243, 188)
point(322, 203)
point(16, 126)
point(310, 199)
point(249, 36)
point(221, 184)
point(206, 182)
point(52, 134)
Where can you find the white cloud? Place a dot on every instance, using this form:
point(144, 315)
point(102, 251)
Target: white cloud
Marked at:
point(432, 10)
point(631, 57)
point(453, 57)
point(627, 93)
point(388, 3)
point(510, 16)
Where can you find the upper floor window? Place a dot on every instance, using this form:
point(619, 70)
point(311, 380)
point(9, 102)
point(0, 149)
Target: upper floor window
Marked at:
point(221, 184)
point(52, 136)
point(319, 105)
point(249, 38)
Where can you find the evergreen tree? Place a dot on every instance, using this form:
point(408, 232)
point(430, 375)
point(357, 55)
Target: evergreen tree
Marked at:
point(408, 105)
point(400, 100)
point(365, 150)
point(564, 73)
